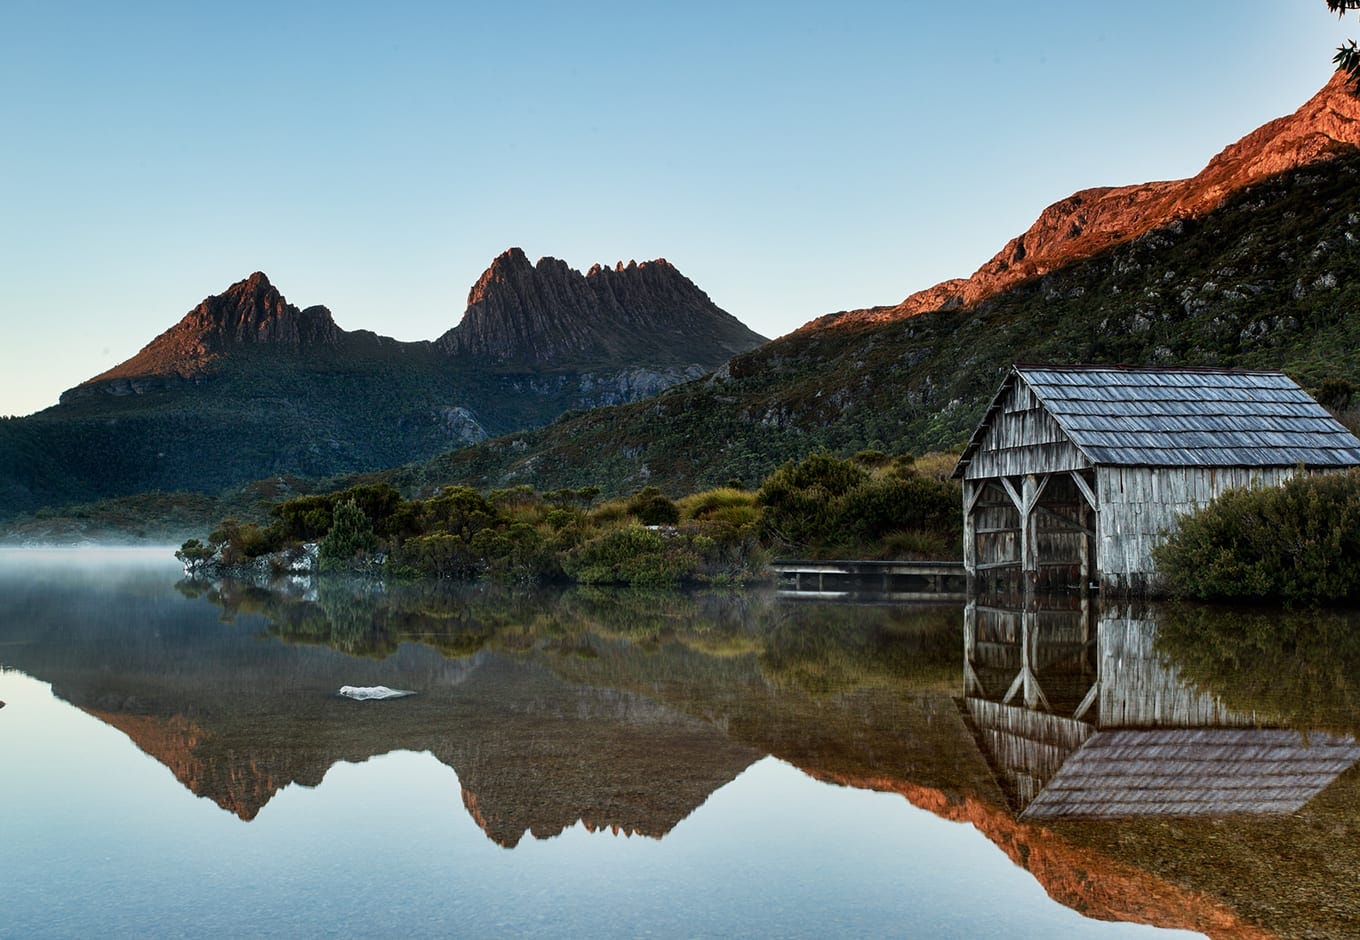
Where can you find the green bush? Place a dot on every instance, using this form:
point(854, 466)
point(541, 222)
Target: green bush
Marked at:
point(650, 507)
point(721, 501)
point(351, 533)
point(438, 555)
point(631, 555)
point(1298, 543)
point(826, 506)
point(194, 550)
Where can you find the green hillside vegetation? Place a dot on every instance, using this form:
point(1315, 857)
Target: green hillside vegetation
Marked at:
point(261, 412)
point(1266, 281)
point(870, 506)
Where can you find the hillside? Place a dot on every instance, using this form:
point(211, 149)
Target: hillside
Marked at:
point(1092, 220)
point(1195, 273)
point(248, 386)
point(1250, 263)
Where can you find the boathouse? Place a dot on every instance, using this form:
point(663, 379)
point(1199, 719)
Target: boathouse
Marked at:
point(1075, 472)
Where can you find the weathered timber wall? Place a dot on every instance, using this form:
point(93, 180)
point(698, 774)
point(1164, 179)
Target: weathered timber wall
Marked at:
point(1139, 690)
point(1024, 438)
point(1139, 504)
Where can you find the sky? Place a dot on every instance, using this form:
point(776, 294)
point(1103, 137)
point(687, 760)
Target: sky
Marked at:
point(792, 159)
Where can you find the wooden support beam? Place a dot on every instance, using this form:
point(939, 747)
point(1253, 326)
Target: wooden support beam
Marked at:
point(1015, 497)
point(970, 528)
point(1084, 488)
point(972, 492)
point(1089, 700)
point(1029, 533)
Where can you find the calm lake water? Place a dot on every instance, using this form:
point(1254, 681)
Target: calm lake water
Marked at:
point(177, 762)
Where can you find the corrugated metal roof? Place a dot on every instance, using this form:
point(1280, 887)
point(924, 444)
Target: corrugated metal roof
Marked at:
point(1183, 417)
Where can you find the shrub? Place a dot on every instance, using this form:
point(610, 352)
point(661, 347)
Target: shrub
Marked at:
point(829, 506)
point(351, 533)
point(631, 555)
point(717, 502)
point(438, 555)
point(458, 510)
point(650, 507)
point(194, 551)
point(1298, 543)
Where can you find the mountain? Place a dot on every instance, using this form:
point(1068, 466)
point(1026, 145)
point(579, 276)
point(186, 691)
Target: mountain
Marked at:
point(548, 315)
point(1251, 263)
point(248, 386)
point(1092, 220)
point(250, 313)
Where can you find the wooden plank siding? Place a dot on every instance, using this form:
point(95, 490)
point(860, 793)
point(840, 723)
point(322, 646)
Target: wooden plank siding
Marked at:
point(1139, 505)
point(1075, 473)
point(1023, 438)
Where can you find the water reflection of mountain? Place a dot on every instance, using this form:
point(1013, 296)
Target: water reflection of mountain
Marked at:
point(628, 711)
point(619, 711)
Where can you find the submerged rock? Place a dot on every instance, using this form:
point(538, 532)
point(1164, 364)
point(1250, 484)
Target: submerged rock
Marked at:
point(365, 693)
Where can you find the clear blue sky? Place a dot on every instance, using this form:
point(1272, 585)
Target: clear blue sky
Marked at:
point(792, 159)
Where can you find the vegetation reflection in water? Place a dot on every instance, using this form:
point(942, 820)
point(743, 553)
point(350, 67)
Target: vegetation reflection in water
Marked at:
point(628, 710)
point(817, 648)
point(881, 697)
point(1299, 668)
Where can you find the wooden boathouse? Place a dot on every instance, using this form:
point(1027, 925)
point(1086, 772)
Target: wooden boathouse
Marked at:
point(1076, 472)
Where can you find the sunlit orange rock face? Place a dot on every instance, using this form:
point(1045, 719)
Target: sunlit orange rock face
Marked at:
point(251, 312)
point(174, 741)
point(1092, 220)
point(1087, 881)
point(548, 314)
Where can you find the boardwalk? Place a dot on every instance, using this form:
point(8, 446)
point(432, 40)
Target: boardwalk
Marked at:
point(909, 580)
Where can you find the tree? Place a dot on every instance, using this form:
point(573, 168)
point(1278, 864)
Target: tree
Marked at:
point(1347, 57)
point(351, 532)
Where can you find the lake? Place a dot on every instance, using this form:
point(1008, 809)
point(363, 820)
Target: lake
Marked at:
point(178, 761)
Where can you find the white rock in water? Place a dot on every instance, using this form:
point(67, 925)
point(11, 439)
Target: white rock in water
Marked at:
point(363, 693)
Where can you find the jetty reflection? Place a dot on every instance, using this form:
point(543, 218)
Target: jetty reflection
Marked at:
point(1082, 717)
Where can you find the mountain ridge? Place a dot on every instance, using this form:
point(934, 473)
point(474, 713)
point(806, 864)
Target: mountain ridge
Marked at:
point(247, 385)
point(519, 314)
point(1092, 220)
point(515, 313)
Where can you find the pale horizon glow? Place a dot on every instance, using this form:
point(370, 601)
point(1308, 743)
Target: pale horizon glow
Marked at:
point(791, 159)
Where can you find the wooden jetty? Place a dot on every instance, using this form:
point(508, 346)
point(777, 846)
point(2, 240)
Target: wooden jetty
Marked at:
point(884, 580)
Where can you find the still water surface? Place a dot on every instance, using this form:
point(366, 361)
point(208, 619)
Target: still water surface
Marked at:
point(177, 762)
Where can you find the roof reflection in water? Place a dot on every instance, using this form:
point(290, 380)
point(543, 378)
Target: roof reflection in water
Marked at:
point(1080, 718)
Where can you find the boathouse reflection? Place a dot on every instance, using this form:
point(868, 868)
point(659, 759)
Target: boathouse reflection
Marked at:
point(1080, 718)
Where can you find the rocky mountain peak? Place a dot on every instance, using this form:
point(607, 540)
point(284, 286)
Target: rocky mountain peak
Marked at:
point(1093, 220)
point(549, 314)
point(253, 311)
point(250, 312)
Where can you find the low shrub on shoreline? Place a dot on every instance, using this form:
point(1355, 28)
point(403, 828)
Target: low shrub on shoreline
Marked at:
point(1297, 544)
point(871, 505)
